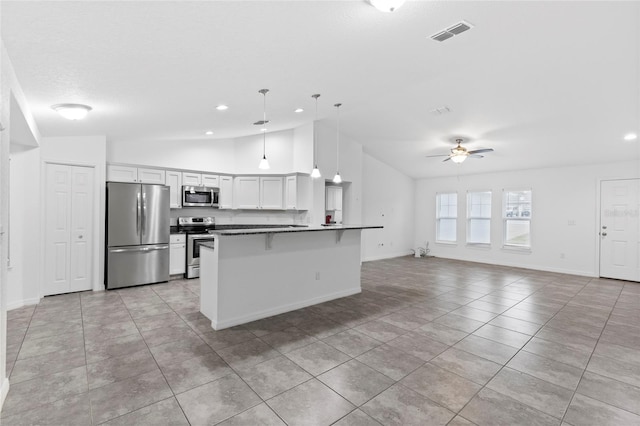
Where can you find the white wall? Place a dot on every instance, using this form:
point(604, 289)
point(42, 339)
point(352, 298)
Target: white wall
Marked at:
point(87, 151)
point(559, 195)
point(25, 228)
point(206, 155)
point(388, 200)
point(279, 152)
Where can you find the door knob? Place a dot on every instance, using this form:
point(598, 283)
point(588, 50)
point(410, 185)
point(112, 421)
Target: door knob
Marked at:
point(80, 236)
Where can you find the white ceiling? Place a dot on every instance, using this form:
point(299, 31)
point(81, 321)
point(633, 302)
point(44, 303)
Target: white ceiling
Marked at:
point(543, 83)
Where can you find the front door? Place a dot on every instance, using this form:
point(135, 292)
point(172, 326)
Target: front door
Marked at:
point(620, 229)
point(68, 229)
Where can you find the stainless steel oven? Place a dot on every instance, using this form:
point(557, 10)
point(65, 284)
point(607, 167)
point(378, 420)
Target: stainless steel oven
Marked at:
point(193, 252)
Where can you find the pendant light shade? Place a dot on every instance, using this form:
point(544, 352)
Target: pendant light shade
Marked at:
point(264, 164)
point(337, 178)
point(315, 173)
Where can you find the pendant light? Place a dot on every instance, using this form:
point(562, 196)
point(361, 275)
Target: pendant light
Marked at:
point(337, 178)
point(315, 173)
point(264, 164)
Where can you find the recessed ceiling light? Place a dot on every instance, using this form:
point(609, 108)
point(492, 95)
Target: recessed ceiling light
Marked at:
point(72, 111)
point(299, 110)
point(222, 107)
point(208, 132)
point(630, 137)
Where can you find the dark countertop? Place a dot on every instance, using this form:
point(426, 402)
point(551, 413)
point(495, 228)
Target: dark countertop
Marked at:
point(281, 229)
point(175, 230)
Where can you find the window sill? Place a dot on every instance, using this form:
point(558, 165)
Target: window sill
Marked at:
point(516, 249)
point(482, 246)
point(447, 243)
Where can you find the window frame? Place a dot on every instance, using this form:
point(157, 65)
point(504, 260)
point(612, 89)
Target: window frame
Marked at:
point(505, 219)
point(438, 218)
point(470, 218)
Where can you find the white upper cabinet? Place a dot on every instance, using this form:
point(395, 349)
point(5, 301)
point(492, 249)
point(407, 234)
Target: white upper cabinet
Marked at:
point(122, 174)
point(191, 179)
point(151, 176)
point(174, 181)
point(211, 181)
point(246, 192)
point(297, 192)
point(117, 173)
point(258, 192)
point(271, 192)
point(333, 200)
point(200, 179)
point(225, 200)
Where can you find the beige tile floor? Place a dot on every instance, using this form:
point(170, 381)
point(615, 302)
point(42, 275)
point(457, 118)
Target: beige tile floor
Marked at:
point(427, 342)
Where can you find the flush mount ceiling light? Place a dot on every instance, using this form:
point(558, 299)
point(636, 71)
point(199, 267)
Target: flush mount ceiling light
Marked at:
point(630, 137)
point(337, 178)
point(72, 111)
point(222, 107)
point(298, 110)
point(208, 132)
point(264, 164)
point(315, 173)
point(386, 5)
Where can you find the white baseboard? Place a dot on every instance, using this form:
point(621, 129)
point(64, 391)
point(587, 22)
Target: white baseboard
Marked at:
point(589, 274)
point(282, 309)
point(20, 303)
point(387, 256)
point(4, 390)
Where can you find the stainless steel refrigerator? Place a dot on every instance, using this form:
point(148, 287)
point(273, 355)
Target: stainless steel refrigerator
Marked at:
point(137, 234)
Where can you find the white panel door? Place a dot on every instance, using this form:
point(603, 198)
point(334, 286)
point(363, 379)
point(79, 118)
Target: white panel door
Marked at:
point(81, 228)
point(620, 229)
point(68, 229)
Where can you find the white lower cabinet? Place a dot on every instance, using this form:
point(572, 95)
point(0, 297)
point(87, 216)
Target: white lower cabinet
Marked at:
point(177, 253)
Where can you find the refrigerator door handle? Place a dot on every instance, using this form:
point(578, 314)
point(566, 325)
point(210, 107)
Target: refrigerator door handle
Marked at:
point(144, 213)
point(138, 214)
point(132, 249)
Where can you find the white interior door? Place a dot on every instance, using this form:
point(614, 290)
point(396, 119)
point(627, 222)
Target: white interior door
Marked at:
point(68, 228)
point(620, 229)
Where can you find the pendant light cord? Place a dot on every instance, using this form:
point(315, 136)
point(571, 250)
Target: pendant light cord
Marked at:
point(264, 119)
point(338, 137)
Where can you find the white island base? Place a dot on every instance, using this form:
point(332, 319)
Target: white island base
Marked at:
point(249, 275)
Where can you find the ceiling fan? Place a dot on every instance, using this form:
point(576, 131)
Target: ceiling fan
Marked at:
point(460, 153)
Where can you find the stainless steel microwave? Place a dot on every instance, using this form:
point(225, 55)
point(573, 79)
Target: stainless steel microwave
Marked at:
point(200, 196)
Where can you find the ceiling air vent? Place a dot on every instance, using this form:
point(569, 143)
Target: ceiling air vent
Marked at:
point(456, 29)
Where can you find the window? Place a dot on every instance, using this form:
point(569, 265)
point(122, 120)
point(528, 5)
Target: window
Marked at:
point(446, 217)
point(479, 217)
point(517, 219)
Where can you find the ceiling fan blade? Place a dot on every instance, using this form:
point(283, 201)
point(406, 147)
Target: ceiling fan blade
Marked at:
point(476, 156)
point(441, 155)
point(446, 159)
point(478, 151)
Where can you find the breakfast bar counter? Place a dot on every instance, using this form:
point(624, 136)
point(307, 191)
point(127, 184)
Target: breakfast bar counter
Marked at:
point(249, 274)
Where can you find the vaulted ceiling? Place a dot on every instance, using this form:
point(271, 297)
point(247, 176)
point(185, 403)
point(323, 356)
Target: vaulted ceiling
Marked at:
point(543, 83)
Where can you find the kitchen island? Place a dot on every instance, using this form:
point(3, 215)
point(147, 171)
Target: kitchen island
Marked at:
point(249, 274)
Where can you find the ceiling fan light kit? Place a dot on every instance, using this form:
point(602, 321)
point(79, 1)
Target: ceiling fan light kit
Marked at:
point(459, 154)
